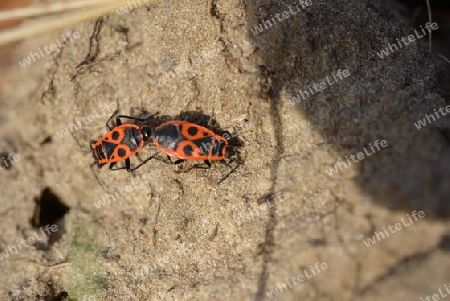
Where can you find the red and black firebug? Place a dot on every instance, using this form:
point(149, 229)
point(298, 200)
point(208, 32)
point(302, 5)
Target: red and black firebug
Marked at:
point(184, 140)
point(121, 142)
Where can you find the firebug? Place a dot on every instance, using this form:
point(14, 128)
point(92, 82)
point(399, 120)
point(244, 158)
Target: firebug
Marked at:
point(184, 140)
point(121, 142)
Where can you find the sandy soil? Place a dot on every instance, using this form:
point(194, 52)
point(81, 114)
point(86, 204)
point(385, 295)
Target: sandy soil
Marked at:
point(164, 235)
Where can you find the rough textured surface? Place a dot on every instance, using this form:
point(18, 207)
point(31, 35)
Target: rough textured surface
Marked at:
point(179, 235)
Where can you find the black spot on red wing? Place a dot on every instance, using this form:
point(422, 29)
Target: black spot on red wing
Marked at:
point(192, 131)
point(108, 148)
point(204, 144)
point(115, 135)
point(132, 138)
point(122, 152)
point(187, 150)
point(99, 153)
point(167, 136)
point(205, 134)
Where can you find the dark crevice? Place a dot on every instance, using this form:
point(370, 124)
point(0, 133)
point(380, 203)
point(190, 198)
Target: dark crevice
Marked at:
point(49, 211)
point(213, 10)
point(94, 44)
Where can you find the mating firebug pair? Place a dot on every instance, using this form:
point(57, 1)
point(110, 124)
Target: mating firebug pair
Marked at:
point(178, 139)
